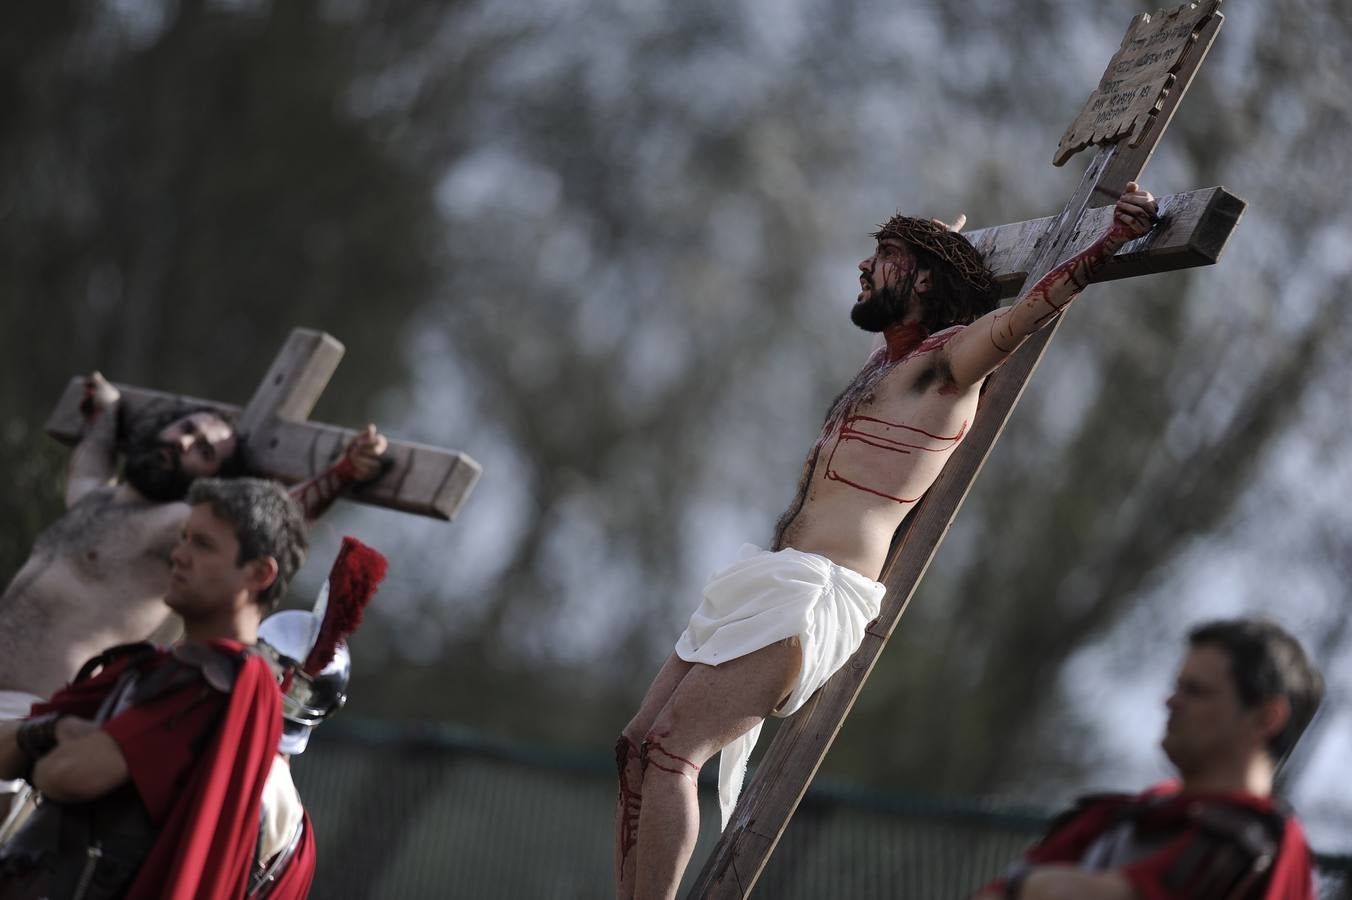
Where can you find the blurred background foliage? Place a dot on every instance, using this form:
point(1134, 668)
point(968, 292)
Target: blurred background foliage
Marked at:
point(608, 247)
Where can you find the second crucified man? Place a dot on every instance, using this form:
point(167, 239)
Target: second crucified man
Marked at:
point(98, 575)
point(776, 625)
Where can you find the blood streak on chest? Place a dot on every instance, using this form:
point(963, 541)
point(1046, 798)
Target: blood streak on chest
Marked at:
point(889, 438)
point(846, 425)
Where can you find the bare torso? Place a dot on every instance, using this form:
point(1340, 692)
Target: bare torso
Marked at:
point(885, 440)
point(96, 578)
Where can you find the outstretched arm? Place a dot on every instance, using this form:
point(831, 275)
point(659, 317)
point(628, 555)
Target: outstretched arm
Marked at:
point(93, 462)
point(362, 461)
point(986, 343)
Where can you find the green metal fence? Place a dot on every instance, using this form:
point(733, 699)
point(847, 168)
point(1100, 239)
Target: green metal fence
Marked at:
point(414, 813)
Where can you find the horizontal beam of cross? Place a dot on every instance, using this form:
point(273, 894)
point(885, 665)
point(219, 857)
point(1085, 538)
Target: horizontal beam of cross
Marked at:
point(1194, 229)
point(422, 479)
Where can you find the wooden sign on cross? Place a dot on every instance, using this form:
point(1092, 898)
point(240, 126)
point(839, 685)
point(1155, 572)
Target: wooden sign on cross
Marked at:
point(280, 442)
point(1128, 112)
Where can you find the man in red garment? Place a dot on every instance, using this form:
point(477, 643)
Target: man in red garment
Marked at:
point(1244, 694)
point(152, 762)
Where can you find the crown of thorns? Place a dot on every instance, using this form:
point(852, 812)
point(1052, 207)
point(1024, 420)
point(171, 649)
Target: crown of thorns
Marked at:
point(949, 246)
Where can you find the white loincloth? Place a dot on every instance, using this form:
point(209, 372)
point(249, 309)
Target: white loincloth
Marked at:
point(282, 810)
point(16, 704)
point(766, 597)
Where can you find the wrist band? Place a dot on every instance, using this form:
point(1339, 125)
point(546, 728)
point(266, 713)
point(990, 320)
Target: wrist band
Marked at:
point(36, 737)
point(345, 469)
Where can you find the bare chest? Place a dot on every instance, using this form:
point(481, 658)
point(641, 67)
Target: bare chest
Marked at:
point(104, 536)
point(915, 396)
point(893, 433)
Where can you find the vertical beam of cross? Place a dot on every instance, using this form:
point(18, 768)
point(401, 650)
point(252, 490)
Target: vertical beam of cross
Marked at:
point(793, 758)
point(294, 382)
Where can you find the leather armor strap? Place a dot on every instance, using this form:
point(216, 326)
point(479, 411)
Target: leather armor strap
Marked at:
point(1231, 855)
point(36, 737)
point(264, 877)
point(110, 655)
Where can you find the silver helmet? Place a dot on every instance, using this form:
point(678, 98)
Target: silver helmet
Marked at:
point(307, 699)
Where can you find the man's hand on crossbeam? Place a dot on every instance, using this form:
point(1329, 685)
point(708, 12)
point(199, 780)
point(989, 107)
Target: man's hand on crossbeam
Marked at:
point(1136, 212)
point(94, 462)
point(366, 452)
point(99, 397)
point(986, 343)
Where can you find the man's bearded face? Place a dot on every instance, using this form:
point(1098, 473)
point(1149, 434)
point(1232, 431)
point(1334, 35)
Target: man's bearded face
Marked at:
point(881, 308)
point(885, 288)
point(163, 464)
point(154, 468)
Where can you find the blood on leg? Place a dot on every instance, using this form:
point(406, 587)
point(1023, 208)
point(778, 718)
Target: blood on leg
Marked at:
point(630, 800)
point(652, 754)
point(629, 803)
point(711, 707)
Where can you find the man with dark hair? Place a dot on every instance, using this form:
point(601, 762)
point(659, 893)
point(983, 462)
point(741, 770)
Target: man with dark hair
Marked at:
point(152, 762)
point(266, 526)
point(775, 625)
point(167, 450)
point(1244, 694)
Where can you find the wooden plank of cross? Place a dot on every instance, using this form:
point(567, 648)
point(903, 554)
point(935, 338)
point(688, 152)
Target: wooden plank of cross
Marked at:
point(1128, 114)
point(281, 443)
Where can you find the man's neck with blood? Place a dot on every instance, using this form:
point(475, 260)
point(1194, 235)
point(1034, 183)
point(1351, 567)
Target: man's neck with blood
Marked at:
point(904, 336)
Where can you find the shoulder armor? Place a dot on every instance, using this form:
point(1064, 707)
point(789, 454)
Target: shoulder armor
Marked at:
point(1257, 833)
point(1231, 854)
point(219, 667)
point(1084, 803)
point(1115, 799)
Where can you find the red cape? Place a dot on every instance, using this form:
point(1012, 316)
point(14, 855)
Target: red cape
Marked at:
point(209, 820)
point(1290, 877)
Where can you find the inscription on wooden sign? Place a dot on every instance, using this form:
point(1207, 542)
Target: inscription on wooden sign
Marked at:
point(1138, 78)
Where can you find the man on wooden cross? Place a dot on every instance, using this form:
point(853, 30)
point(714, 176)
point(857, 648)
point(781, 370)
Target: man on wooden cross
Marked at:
point(775, 625)
point(98, 575)
point(1244, 694)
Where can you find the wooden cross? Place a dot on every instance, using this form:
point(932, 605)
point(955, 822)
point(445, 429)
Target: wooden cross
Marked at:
point(280, 443)
point(1128, 112)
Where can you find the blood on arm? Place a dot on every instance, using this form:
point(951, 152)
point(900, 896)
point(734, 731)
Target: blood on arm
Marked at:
point(317, 494)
